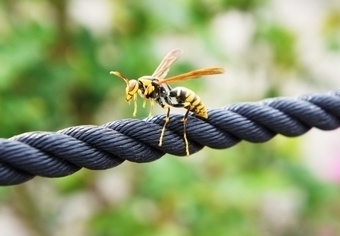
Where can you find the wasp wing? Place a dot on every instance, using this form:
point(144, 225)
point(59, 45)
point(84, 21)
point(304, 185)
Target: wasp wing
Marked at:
point(193, 74)
point(164, 67)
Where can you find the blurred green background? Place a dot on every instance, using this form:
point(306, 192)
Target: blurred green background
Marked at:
point(55, 58)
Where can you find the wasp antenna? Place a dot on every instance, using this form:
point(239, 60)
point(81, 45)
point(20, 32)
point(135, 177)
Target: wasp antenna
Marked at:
point(120, 75)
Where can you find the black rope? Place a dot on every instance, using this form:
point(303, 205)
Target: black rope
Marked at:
point(57, 154)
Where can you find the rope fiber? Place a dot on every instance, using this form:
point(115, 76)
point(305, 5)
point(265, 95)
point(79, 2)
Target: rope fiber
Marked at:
point(61, 153)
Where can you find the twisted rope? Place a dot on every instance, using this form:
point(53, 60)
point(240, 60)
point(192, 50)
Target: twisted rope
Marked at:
point(57, 154)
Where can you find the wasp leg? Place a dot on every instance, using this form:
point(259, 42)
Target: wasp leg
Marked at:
point(167, 119)
point(144, 102)
point(185, 118)
point(152, 103)
point(148, 90)
point(135, 105)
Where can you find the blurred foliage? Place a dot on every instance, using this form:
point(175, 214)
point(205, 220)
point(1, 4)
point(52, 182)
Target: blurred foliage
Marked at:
point(55, 73)
point(331, 30)
point(282, 43)
point(245, 5)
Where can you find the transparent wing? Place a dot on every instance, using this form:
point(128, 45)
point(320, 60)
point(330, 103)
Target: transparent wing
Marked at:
point(195, 74)
point(164, 67)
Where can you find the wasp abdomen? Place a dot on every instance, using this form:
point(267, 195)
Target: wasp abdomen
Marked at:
point(188, 99)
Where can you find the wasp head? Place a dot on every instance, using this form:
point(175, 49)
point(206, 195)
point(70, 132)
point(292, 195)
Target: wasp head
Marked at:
point(131, 86)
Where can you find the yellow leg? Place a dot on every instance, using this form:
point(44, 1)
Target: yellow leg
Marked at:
point(185, 118)
point(167, 119)
point(144, 102)
point(135, 105)
point(146, 92)
point(152, 103)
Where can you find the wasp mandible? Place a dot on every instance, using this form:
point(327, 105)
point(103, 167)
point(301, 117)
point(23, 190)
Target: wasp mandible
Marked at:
point(156, 88)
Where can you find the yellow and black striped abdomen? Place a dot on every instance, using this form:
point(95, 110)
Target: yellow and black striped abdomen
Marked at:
point(190, 100)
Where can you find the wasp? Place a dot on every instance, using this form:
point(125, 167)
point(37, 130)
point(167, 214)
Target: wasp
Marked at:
point(156, 88)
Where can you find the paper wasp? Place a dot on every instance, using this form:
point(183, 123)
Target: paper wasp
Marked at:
point(156, 88)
